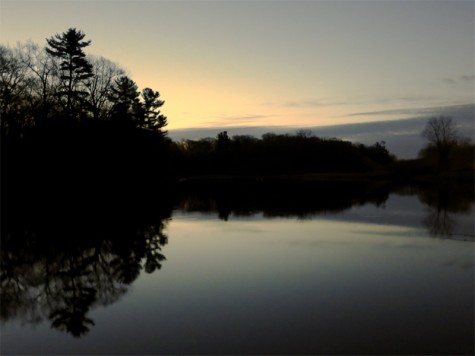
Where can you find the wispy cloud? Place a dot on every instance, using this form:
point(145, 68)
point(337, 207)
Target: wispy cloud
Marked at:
point(467, 78)
point(463, 79)
point(344, 101)
point(325, 102)
point(407, 98)
point(304, 104)
point(415, 98)
point(417, 111)
point(449, 81)
point(412, 111)
point(309, 103)
point(225, 120)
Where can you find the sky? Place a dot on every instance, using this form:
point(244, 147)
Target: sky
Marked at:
point(273, 63)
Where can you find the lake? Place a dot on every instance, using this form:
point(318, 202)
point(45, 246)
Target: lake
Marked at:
point(390, 274)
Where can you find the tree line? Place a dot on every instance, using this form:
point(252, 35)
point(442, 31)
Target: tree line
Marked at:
point(71, 117)
point(59, 80)
point(297, 153)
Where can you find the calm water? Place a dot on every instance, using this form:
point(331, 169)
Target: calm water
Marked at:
point(395, 277)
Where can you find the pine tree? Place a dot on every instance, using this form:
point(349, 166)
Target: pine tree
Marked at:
point(152, 118)
point(74, 67)
point(126, 105)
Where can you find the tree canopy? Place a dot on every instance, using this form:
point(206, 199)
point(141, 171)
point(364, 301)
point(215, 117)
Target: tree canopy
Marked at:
point(81, 114)
point(62, 80)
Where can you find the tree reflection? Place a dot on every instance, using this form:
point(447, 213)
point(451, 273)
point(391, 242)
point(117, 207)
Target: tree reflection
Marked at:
point(440, 223)
point(274, 197)
point(57, 264)
point(444, 202)
point(58, 270)
point(305, 199)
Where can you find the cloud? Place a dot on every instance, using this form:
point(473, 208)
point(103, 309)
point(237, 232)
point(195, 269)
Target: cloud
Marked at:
point(325, 102)
point(303, 104)
point(463, 79)
point(402, 136)
point(308, 103)
point(449, 81)
point(442, 110)
point(391, 112)
point(467, 78)
point(412, 98)
point(244, 117)
point(224, 120)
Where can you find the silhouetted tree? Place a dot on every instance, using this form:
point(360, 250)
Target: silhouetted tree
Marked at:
point(43, 70)
point(99, 86)
point(59, 82)
point(379, 153)
point(152, 118)
point(304, 133)
point(222, 141)
point(223, 150)
point(125, 100)
point(74, 66)
point(441, 134)
point(280, 154)
point(440, 131)
point(13, 91)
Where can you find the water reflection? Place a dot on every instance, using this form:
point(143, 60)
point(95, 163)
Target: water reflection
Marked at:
point(444, 202)
point(286, 198)
point(60, 263)
point(306, 200)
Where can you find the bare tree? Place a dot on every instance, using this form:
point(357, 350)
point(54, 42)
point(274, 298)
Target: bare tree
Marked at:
point(442, 135)
point(99, 86)
point(441, 131)
point(43, 70)
point(13, 89)
point(304, 133)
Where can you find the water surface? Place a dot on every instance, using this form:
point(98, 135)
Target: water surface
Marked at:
point(393, 277)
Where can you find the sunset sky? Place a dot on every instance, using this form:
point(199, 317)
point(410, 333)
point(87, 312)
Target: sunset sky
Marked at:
point(256, 63)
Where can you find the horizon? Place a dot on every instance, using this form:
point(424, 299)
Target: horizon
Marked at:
point(237, 177)
point(299, 64)
point(401, 136)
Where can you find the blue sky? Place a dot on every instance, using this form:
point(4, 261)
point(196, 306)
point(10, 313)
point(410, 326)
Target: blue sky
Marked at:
point(273, 63)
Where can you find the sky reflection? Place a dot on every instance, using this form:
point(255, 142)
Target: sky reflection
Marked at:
point(249, 285)
point(335, 282)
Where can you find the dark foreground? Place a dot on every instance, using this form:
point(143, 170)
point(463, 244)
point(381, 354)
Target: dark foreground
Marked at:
point(247, 266)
